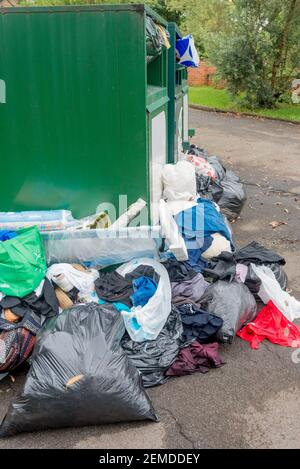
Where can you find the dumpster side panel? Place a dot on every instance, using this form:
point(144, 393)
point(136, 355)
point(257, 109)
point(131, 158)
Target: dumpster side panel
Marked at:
point(73, 124)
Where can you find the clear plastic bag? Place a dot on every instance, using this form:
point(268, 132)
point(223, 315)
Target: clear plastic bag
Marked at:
point(97, 248)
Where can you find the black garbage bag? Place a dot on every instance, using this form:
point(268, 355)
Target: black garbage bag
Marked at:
point(234, 303)
point(208, 188)
point(234, 196)
point(195, 150)
point(79, 376)
point(217, 164)
point(153, 43)
point(253, 282)
point(154, 357)
point(258, 254)
point(255, 253)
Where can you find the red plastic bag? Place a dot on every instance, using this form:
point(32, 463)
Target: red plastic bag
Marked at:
point(271, 324)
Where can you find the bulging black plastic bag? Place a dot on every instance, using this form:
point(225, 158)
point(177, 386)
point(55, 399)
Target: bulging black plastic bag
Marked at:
point(234, 303)
point(208, 188)
point(79, 376)
point(154, 357)
point(234, 196)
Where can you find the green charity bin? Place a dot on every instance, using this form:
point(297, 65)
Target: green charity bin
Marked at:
point(83, 108)
point(178, 129)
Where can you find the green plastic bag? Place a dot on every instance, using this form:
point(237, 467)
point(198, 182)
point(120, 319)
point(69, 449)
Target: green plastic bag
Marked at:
point(22, 263)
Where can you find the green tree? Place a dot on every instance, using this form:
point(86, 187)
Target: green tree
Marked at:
point(166, 8)
point(259, 52)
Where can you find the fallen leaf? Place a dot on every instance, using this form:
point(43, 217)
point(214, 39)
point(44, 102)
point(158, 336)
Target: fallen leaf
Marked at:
point(275, 224)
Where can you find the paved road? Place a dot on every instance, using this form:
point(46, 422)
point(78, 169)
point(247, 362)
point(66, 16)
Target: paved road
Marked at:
point(253, 401)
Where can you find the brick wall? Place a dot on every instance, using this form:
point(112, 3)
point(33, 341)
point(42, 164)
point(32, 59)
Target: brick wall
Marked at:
point(202, 75)
point(8, 3)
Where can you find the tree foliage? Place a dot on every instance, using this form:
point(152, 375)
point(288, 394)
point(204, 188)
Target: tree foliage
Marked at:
point(259, 53)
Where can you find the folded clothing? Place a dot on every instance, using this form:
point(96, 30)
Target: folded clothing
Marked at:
point(196, 358)
point(42, 302)
point(191, 289)
point(197, 324)
point(271, 324)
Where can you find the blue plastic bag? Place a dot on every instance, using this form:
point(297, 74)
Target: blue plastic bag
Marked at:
point(187, 51)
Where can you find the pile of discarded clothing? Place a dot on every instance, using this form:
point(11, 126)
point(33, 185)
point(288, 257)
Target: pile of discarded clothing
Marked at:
point(217, 183)
point(95, 338)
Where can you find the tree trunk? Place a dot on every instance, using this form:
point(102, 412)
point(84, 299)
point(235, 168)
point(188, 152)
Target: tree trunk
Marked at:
point(281, 42)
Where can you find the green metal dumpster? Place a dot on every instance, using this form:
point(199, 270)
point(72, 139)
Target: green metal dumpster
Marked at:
point(178, 131)
point(83, 114)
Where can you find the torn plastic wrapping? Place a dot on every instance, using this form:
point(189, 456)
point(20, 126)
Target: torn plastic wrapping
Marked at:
point(97, 248)
point(79, 376)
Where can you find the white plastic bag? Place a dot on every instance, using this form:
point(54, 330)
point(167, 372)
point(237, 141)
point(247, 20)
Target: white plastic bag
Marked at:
point(145, 323)
point(271, 290)
point(179, 181)
point(67, 277)
point(170, 230)
point(187, 51)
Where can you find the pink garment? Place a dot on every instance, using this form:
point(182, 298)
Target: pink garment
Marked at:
point(241, 273)
point(271, 324)
point(202, 166)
